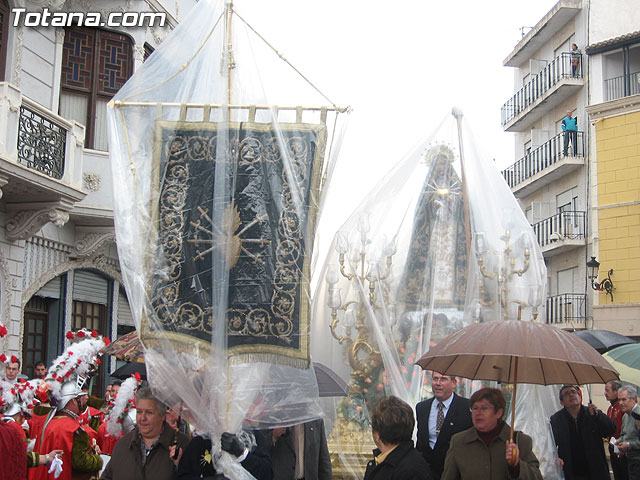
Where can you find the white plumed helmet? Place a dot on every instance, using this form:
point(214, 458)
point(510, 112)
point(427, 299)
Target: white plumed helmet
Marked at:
point(69, 391)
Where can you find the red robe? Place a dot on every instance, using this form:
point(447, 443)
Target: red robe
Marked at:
point(36, 424)
point(14, 459)
point(18, 428)
point(105, 441)
point(89, 413)
point(59, 435)
point(614, 412)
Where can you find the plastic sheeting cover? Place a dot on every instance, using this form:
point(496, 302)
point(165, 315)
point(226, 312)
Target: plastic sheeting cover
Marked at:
point(437, 245)
point(219, 174)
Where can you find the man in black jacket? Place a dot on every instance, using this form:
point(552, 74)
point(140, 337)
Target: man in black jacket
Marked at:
point(285, 443)
point(578, 432)
point(437, 424)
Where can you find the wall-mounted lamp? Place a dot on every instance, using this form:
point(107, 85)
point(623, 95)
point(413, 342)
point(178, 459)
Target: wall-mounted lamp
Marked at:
point(606, 285)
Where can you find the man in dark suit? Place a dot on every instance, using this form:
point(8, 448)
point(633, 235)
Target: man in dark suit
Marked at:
point(439, 418)
point(284, 445)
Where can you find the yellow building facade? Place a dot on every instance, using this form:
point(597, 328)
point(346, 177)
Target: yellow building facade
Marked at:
point(615, 185)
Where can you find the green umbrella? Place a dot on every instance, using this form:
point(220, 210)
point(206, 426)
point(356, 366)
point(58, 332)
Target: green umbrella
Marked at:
point(626, 360)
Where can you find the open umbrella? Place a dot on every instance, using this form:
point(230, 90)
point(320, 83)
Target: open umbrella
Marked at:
point(129, 369)
point(513, 351)
point(127, 347)
point(329, 383)
point(626, 359)
point(603, 340)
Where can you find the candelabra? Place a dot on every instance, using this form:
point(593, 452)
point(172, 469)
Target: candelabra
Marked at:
point(371, 284)
point(505, 271)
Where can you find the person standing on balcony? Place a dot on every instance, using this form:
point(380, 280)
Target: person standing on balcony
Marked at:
point(570, 129)
point(575, 60)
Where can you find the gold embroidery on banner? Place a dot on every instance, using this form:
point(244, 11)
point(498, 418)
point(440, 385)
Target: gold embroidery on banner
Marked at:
point(289, 280)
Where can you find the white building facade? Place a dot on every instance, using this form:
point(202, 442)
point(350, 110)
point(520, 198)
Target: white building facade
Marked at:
point(557, 190)
point(551, 185)
point(59, 266)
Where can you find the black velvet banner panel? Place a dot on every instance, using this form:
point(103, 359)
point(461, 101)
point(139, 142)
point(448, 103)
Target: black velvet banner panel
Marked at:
point(236, 206)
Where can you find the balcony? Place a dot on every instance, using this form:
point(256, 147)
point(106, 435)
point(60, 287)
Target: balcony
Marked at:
point(542, 93)
point(40, 164)
point(567, 310)
point(561, 232)
point(544, 165)
point(544, 31)
point(623, 86)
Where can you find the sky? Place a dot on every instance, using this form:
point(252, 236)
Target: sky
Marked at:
point(401, 66)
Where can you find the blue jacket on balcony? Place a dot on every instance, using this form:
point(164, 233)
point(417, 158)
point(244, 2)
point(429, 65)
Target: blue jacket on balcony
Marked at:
point(569, 124)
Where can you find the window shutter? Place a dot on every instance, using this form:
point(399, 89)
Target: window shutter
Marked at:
point(124, 311)
point(51, 289)
point(90, 287)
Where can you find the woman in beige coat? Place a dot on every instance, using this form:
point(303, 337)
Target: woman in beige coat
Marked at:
point(484, 452)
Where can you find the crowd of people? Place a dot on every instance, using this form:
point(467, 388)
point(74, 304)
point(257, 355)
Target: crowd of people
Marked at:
point(63, 432)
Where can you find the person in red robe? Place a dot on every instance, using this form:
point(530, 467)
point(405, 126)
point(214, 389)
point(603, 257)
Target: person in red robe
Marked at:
point(14, 462)
point(106, 442)
point(65, 432)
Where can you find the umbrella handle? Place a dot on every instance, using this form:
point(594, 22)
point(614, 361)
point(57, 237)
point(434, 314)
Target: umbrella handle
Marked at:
point(513, 400)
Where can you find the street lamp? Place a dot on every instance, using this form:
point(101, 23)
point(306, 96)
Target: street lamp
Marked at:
point(606, 285)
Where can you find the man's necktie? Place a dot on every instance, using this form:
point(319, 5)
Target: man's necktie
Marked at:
point(440, 417)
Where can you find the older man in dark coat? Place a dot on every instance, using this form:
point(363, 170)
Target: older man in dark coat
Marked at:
point(578, 431)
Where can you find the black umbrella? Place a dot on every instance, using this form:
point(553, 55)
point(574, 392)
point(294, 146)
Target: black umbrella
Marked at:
point(329, 383)
point(129, 369)
point(603, 340)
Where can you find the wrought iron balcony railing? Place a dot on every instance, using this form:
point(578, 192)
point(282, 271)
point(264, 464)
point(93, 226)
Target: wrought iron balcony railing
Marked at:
point(541, 158)
point(567, 308)
point(558, 69)
point(46, 148)
point(623, 86)
point(41, 143)
point(568, 225)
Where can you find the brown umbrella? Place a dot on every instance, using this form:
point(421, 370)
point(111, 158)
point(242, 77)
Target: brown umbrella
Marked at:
point(127, 347)
point(513, 351)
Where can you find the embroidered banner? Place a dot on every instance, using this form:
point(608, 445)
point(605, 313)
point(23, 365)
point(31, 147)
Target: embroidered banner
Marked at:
point(263, 234)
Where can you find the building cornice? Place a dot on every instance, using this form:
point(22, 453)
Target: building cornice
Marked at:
point(613, 108)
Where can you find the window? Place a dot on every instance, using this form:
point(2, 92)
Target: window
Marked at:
point(92, 317)
point(36, 326)
point(4, 36)
point(564, 47)
point(148, 50)
point(95, 65)
point(567, 201)
point(88, 315)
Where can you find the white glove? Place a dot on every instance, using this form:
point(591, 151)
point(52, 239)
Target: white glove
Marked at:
point(56, 466)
